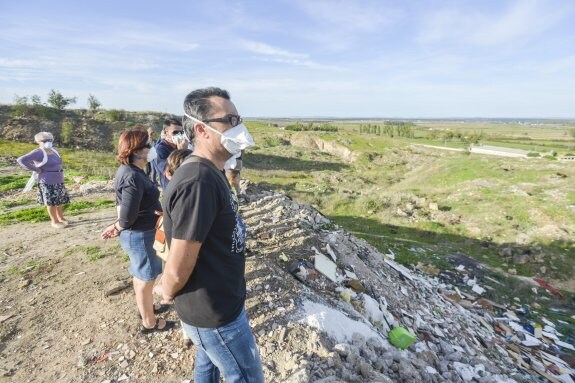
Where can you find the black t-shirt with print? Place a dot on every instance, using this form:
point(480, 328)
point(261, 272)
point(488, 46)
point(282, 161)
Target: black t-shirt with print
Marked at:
point(199, 206)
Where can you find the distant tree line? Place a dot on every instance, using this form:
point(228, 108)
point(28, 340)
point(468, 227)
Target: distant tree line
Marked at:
point(54, 105)
point(301, 127)
point(453, 135)
point(390, 129)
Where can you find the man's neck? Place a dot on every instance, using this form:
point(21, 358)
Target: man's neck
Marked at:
point(201, 152)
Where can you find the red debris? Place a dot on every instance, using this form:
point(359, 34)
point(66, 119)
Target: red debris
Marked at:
point(547, 286)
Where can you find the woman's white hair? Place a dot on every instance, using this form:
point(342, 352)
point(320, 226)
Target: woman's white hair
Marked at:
point(43, 136)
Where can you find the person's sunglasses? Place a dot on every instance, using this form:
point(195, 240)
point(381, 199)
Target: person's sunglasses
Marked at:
point(231, 119)
point(177, 132)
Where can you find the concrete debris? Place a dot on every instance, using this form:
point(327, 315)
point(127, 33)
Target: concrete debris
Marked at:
point(460, 336)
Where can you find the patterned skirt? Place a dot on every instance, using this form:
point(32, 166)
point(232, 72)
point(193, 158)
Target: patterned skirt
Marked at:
point(52, 195)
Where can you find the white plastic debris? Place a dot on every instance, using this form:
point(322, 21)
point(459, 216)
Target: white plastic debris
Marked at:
point(564, 345)
point(400, 268)
point(478, 289)
point(325, 266)
point(331, 253)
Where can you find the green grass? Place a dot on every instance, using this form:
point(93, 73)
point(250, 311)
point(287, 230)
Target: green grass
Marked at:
point(28, 266)
point(39, 214)
point(94, 253)
point(13, 182)
point(9, 204)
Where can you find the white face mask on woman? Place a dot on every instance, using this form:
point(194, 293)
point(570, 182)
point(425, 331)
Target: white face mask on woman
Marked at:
point(47, 145)
point(234, 140)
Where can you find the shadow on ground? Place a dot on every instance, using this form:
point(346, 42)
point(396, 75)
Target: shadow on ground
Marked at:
point(258, 161)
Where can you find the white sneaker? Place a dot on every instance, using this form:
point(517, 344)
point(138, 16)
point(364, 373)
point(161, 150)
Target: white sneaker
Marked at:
point(58, 225)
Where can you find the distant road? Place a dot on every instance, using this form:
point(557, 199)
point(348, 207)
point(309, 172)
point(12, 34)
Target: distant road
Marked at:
point(484, 149)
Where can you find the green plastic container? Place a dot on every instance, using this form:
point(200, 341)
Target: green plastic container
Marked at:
point(401, 338)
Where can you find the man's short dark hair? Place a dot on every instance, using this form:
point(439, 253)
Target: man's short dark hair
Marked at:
point(172, 121)
point(198, 105)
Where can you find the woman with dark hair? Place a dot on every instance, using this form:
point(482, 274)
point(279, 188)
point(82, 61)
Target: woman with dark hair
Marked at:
point(137, 198)
point(46, 164)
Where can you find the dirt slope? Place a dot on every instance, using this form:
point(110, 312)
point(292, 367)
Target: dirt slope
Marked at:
point(62, 327)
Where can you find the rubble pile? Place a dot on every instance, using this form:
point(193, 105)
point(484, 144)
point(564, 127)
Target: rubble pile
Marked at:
point(324, 306)
point(347, 297)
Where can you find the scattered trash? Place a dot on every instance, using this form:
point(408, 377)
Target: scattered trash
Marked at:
point(283, 257)
point(478, 289)
point(355, 285)
point(325, 266)
point(331, 253)
point(548, 287)
point(401, 338)
point(302, 270)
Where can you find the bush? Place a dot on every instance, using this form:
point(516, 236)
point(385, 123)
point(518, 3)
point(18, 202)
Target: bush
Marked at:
point(115, 115)
point(67, 132)
point(533, 154)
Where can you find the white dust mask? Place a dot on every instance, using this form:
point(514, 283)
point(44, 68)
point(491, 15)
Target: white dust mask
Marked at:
point(234, 140)
point(152, 154)
point(47, 145)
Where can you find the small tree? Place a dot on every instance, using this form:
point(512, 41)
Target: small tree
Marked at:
point(58, 101)
point(36, 100)
point(20, 107)
point(93, 103)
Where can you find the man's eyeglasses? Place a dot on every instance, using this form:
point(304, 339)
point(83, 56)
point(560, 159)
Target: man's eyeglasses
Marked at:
point(177, 132)
point(231, 119)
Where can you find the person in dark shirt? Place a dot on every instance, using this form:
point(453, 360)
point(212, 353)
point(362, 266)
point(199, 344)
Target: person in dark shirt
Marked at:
point(206, 236)
point(137, 199)
point(172, 138)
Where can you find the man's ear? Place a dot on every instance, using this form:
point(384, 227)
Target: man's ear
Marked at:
point(200, 129)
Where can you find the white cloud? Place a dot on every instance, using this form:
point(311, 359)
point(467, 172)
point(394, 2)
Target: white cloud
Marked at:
point(364, 16)
point(268, 50)
point(522, 20)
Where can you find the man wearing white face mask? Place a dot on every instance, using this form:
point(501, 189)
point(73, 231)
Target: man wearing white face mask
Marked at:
point(204, 273)
point(173, 138)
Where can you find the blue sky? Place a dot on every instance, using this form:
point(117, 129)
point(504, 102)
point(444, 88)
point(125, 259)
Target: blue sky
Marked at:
point(298, 58)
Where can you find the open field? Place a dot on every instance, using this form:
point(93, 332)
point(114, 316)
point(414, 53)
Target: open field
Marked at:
point(425, 205)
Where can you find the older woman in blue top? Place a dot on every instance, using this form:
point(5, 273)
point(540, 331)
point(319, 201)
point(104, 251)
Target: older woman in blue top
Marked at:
point(47, 165)
point(137, 199)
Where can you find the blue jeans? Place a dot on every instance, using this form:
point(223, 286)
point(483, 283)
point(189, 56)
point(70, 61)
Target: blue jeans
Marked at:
point(230, 350)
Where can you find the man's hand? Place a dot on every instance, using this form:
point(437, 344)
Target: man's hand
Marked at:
point(180, 265)
point(182, 144)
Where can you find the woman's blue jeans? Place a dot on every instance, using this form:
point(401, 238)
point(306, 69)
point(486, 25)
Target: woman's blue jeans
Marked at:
point(229, 350)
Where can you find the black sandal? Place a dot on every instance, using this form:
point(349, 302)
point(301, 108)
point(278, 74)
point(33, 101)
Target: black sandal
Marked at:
point(168, 326)
point(162, 308)
point(159, 308)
